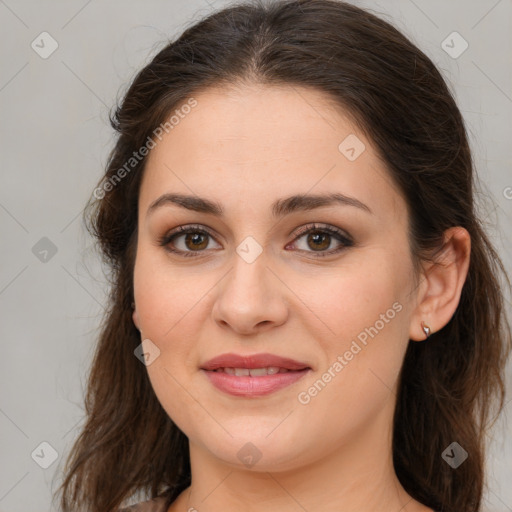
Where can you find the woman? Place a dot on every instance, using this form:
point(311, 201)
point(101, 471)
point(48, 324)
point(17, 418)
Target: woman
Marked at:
point(305, 313)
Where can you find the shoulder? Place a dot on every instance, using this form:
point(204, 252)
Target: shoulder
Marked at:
point(153, 505)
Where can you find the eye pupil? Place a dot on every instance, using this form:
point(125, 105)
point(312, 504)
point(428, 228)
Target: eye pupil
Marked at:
point(197, 239)
point(318, 238)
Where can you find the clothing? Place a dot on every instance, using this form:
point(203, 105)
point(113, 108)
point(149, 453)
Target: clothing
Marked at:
point(154, 505)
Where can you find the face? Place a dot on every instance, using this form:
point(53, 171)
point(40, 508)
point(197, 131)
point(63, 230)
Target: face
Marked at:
point(327, 284)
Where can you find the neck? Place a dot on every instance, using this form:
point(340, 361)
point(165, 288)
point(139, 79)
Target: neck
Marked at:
point(358, 475)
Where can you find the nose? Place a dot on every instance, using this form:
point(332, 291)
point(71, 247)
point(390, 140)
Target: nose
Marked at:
point(250, 298)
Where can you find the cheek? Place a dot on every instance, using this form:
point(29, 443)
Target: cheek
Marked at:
point(164, 295)
point(363, 308)
point(357, 294)
point(165, 307)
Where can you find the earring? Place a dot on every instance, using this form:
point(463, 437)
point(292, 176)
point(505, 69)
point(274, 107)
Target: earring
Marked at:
point(426, 329)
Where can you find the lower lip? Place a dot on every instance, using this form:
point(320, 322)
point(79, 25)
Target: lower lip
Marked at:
point(253, 386)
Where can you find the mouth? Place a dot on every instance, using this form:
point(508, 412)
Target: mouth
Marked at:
point(252, 376)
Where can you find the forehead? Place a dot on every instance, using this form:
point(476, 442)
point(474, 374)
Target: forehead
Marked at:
point(267, 142)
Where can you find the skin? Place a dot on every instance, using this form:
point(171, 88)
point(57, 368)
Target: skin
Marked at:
point(246, 148)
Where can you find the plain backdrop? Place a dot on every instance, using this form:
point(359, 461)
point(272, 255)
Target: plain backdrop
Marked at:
point(55, 138)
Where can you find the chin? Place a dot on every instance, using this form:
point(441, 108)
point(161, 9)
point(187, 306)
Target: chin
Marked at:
point(258, 448)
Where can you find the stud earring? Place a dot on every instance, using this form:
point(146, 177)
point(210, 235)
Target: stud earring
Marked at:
point(426, 329)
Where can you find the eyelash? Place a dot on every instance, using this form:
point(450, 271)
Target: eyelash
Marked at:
point(166, 239)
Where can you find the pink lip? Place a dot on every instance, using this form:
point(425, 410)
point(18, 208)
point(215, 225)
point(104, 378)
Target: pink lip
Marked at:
point(249, 386)
point(253, 386)
point(253, 361)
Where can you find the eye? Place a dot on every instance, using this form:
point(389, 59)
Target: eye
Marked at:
point(318, 238)
point(193, 239)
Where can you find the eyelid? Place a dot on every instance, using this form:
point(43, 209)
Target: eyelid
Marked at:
point(321, 227)
point(168, 237)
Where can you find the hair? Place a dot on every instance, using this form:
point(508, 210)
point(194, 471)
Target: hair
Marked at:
point(450, 388)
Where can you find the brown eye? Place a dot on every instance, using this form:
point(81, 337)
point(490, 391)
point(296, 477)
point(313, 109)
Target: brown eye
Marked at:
point(196, 241)
point(318, 239)
point(186, 240)
point(192, 241)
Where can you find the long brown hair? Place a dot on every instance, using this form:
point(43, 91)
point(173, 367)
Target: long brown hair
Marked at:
point(451, 388)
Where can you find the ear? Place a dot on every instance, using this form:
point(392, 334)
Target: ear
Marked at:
point(441, 284)
point(135, 319)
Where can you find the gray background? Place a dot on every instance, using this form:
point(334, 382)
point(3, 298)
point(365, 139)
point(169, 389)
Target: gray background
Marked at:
point(55, 138)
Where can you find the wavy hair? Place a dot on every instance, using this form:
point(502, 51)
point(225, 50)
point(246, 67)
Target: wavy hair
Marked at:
point(451, 388)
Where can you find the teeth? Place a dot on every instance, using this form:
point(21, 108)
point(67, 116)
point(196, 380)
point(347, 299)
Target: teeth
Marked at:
point(253, 372)
point(258, 372)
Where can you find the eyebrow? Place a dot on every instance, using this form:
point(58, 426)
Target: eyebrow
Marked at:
point(280, 208)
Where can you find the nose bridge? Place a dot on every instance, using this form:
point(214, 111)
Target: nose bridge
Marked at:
point(248, 279)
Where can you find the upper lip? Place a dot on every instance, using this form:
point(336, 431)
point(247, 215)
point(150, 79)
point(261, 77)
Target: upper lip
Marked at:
point(252, 361)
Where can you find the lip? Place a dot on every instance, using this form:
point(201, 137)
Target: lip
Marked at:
point(252, 361)
point(249, 386)
point(253, 386)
